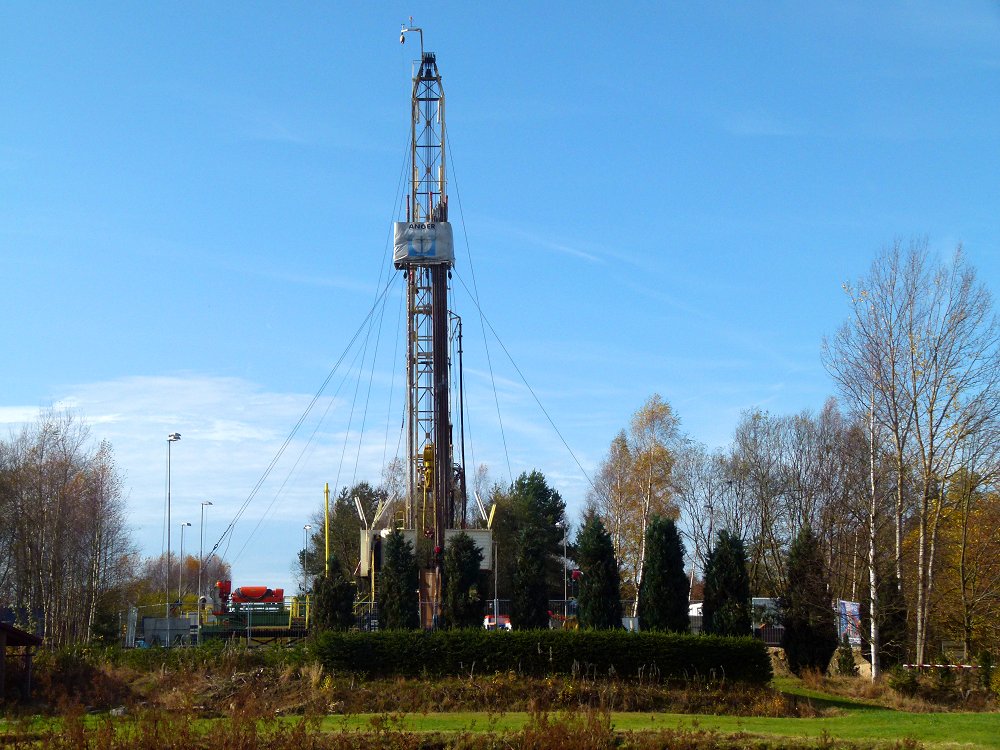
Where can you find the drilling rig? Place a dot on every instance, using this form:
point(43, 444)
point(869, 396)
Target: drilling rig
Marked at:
point(424, 250)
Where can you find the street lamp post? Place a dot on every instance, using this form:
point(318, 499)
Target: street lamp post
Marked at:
point(565, 530)
point(173, 437)
point(180, 572)
point(201, 560)
point(496, 595)
point(305, 557)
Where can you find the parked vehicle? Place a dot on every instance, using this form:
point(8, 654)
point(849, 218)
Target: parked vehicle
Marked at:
point(490, 622)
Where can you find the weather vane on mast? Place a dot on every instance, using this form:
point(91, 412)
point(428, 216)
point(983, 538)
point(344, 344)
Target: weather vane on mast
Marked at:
point(409, 29)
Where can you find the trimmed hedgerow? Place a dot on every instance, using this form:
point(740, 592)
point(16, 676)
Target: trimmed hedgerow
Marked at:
point(613, 653)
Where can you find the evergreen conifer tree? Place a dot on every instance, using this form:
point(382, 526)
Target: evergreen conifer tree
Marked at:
point(726, 609)
point(399, 579)
point(333, 604)
point(599, 601)
point(462, 606)
point(530, 602)
point(663, 595)
point(529, 503)
point(810, 636)
point(892, 624)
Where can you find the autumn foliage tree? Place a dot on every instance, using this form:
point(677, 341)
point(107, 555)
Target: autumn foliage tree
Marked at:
point(967, 595)
point(633, 485)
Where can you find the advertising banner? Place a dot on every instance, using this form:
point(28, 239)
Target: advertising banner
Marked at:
point(422, 243)
point(849, 622)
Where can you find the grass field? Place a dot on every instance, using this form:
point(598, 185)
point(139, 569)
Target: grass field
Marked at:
point(944, 730)
point(865, 725)
point(828, 715)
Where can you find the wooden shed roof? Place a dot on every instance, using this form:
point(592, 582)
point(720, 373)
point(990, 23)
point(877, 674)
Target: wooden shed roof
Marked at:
point(18, 637)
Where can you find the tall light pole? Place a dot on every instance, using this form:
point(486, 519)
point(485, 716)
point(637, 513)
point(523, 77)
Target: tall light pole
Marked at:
point(201, 560)
point(180, 572)
point(173, 437)
point(201, 546)
point(305, 557)
point(561, 525)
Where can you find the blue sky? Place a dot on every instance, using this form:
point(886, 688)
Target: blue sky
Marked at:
point(195, 202)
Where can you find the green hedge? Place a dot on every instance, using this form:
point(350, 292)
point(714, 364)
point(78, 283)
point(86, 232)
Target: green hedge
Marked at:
point(546, 652)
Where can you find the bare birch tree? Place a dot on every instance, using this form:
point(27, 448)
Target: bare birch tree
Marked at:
point(66, 550)
point(955, 385)
point(920, 357)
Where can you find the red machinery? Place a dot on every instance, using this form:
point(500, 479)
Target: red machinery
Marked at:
point(247, 595)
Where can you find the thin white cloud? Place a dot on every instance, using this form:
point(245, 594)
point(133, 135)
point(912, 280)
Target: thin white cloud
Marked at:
point(17, 415)
point(587, 251)
point(231, 429)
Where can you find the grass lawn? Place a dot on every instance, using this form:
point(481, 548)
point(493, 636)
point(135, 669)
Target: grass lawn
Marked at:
point(939, 729)
point(851, 719)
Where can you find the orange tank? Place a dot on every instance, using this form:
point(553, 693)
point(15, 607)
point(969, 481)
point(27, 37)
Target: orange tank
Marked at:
point(259, 594)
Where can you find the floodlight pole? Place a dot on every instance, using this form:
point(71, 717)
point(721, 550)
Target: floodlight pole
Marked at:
point(173, 437)
point(305, 558)
point(561, 525)
point(201, 561)
point(180, 569)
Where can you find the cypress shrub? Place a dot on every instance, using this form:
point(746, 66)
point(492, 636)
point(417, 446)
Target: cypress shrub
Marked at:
point(810, 636)
point(529, 607)
point(726, 609)
point(398, 598)
point(892, 622)
point(607, 653)
point(663, 594)
point(462, 606)
point(333, 606)
point(846, 665)
point(599, 601)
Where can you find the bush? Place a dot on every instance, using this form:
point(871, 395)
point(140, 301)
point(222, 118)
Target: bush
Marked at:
point(986, 669)
point(810, 635)
point(903, 681)
point(545, 652)
point(845, 659)
point(333, 606)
